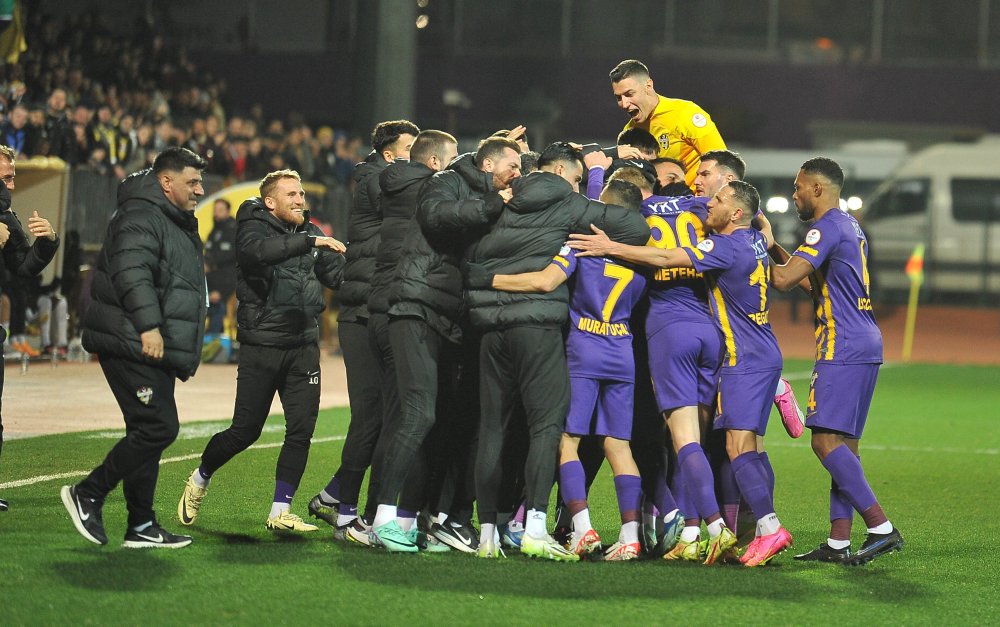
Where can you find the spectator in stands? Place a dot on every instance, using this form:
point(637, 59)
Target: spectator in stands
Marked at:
point(14, 132)
point(58, 128)
point(220, 263)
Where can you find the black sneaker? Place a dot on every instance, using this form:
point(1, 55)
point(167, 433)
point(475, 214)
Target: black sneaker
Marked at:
point(876, 544)
point(825, 553)
point(459, 536)
point(155, 537)
point(327, 512)
point(85, 514)
point(4, 506)
point(561, 534)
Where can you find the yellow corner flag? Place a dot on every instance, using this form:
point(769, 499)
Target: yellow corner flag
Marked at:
point(12, 42)
point(914, 270)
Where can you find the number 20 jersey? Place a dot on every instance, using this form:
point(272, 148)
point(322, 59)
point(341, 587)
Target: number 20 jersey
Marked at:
point(676, 294)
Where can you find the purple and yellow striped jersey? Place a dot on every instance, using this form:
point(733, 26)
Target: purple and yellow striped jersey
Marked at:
point(602, 295)
point(846, 331)
point(737, 271)
point(676, 294)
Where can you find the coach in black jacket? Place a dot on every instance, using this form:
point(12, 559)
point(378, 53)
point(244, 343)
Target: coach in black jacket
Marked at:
point(390, 140)
point(19, 257)
point(522, 354)
point(145, 321)
point(399, 183)
point(425, 306)
point(284, 262)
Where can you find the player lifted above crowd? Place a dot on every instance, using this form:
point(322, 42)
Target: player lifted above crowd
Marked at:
point(683, 130)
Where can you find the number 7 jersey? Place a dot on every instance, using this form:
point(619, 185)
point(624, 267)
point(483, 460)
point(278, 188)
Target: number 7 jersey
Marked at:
point(602, 295)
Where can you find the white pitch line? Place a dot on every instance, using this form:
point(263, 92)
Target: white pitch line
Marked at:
point(900, 449)
point(169, 460)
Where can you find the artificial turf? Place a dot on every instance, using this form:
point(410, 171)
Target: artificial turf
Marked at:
point(931, 451)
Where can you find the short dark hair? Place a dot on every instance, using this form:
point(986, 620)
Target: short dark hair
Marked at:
point(628, 67)
point(676, 162)
point(387, 133)
point(228, 204)
point(493, 147)
point(826, 167)
point(175, 159)
point(560, 151)
point(621, 192)
point(747, 196)
point(633, 175)
point(429, 143)
point(728, 159)
point(639, 138)
point(529, 162)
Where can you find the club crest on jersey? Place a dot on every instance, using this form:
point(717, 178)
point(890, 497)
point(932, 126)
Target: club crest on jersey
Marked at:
point(664, 140)
point(699, 120)
point(813, 237)
point(706, 245)
point(144, 394)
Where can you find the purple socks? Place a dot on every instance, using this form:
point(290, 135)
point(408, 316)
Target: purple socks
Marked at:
point(629, 491)
point(847, 473)
point(573, 484)
point(754, 483)
point(283, 492)
point(698, 480)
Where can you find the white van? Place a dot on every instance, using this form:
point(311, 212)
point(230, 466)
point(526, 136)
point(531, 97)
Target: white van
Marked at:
point(946, 197)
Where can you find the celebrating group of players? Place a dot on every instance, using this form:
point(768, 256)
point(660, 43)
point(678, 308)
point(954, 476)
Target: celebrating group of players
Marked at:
point(499, 325)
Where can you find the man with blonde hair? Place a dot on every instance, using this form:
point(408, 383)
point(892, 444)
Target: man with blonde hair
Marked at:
point(284, 262)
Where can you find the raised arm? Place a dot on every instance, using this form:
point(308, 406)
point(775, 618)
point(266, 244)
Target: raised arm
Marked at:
point(600, 245)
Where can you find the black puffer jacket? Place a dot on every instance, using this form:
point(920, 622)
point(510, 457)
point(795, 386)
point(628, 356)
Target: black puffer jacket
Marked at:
point(529, 233)
point(150, 274)
point(400, 184)
point(454, 207)
point(362, 239)
point(19, 257)
point(280, 280)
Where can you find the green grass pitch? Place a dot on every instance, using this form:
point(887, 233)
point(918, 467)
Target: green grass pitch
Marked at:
point(932, 452)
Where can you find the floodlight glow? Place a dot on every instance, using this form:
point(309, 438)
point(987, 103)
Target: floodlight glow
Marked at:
point(776, 204)
point(854, 203)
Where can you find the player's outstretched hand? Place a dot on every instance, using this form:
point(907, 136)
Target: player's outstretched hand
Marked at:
point(628, 152)
point(596, 245)
point(597, 159)
point(329, 243)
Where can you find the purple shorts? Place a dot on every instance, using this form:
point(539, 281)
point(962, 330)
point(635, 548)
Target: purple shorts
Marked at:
point(745, 400)
point(611, 401)
point(839, 397)
point(684, 361)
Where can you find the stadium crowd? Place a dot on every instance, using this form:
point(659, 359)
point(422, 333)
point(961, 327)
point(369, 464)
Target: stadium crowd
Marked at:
point(113, 101)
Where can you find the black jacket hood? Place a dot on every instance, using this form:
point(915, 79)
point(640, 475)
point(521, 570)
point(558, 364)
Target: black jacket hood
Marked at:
point(402, 174)
point(538, 191)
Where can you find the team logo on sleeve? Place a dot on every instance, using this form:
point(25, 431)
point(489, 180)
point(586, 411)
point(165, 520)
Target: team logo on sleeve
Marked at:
point(699, 120)
point(564, 250)
point(706, 246)
point(664, 140)
point(813, 237)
